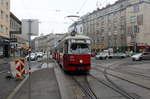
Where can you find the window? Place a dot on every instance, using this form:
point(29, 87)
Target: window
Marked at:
point(6, 17)
point(140, 19)
point(7, 5)
point(145, 53)
point(79, 48)
point(6, 30)
point(97, 24)
point(1, 51)
point(133, 19)
point(97, 32)
point(1, 29)
point(136, 29)
point(1, 2)
point(1, 14)
point(80, 29)
point(102, 30)
point(66, 47)
point(136, 8)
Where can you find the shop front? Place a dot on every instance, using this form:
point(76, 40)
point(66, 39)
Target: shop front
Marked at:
point(4, 47)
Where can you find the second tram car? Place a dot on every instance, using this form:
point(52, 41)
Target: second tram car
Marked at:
point(73, 53)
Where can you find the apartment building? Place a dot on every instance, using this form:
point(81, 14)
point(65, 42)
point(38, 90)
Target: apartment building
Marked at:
point(122, 25)
point(138, 24)
point(17, 41)
point(4, 28)
point(46, 42)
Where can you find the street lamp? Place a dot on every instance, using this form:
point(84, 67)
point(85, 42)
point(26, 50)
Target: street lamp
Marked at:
point(135, 44)
point(115, 38)
point(109, 37)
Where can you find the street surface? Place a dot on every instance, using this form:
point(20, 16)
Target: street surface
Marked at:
point(132, 77)
point(113, 79)
point(108, 79)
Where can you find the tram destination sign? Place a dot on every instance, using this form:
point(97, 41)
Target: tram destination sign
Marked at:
point(80, 41)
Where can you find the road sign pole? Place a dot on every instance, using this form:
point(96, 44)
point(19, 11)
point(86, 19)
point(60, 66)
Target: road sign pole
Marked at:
point(29, 37)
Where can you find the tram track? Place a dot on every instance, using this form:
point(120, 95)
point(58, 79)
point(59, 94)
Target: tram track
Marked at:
point(88, 92)
point(85, 87)
point(121, 78)
point(110, 71)
point(110, 83)
point(114, 87)
point(133, 73)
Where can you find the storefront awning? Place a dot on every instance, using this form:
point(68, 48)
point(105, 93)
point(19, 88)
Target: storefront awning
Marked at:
point(4, 41)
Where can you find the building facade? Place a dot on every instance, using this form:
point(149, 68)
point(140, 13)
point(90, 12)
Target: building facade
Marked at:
point(4, 28)
point(120, 26)
point(46, 43)
point(17, 41)
point(137, 25)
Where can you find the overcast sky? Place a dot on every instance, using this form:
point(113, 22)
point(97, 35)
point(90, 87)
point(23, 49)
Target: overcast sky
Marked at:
point(52, 13)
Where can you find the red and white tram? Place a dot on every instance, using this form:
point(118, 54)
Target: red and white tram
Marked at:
point(73, 53)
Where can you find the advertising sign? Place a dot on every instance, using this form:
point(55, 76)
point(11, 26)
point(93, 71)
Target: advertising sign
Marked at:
point(30, 25)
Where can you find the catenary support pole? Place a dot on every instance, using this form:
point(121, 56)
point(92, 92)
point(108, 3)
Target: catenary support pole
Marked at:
point(29, 35)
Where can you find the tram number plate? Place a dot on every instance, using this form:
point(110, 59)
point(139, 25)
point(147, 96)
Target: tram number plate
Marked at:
point(80, 68)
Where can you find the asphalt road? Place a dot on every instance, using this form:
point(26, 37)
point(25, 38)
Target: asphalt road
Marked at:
point(135, 72)
point(111, 87)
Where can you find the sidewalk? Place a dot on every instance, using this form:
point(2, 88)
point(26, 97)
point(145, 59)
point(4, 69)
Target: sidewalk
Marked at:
point(43, 86)
point(4, 63)
point(7, 60)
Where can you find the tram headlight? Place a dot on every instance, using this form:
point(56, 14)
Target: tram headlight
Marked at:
point(81, 61)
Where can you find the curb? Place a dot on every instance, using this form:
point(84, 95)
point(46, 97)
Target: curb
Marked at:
point(17, 89)
point(62, 85)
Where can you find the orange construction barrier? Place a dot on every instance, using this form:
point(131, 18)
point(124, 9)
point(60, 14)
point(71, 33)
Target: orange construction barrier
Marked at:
point(20, 68)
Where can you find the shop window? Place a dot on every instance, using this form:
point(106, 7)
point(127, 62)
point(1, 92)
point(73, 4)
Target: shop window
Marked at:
point(1, 51)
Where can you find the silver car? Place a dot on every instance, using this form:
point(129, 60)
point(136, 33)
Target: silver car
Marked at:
point(33, 57)
point(118, 55)
point(141, 56)
point(102, 56)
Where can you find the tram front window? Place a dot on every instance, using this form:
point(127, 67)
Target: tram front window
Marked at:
point(77, 48)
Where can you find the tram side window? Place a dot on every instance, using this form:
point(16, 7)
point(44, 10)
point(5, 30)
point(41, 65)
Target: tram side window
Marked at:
point(61, 50)
point(66, 47)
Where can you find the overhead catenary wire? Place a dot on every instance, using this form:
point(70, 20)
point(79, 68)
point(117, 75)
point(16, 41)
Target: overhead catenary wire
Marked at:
point(82, 6)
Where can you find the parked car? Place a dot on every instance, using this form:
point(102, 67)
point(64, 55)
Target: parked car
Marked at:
point(39, 54)
point(141, 56)
point(118, 55)
point(32, 58)
point(102, 56)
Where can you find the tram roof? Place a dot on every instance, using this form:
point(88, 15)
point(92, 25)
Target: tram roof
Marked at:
point(77, 37)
